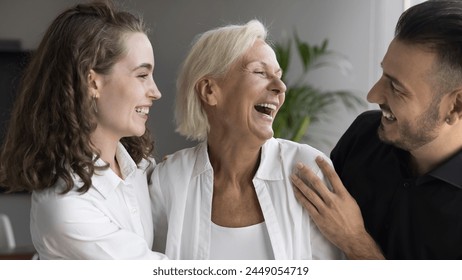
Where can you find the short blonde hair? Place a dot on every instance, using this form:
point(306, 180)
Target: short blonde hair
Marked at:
point(211, 55)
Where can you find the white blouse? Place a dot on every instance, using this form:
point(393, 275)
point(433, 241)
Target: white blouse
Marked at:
point(111, 221)
point(182, 192)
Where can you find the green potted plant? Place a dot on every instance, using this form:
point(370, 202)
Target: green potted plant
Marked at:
point(304, 104)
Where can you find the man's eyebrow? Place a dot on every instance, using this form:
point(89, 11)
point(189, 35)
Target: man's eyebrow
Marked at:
point(143, 65)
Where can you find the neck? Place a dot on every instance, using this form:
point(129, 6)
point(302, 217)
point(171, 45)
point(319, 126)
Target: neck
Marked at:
point(107, 148)
point(233, 162)
point(431, 155)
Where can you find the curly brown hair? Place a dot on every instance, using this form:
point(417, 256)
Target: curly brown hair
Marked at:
point(48, 136)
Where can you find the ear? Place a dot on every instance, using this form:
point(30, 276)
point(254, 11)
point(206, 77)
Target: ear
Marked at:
point(94, 83)
point(455, 112)
point(207, 90)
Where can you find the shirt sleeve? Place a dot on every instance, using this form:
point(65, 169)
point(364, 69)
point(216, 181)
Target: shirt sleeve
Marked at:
point(72, 227)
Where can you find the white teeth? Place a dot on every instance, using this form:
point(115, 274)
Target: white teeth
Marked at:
point(388, 115)
point(142, 110)
point(267, 105)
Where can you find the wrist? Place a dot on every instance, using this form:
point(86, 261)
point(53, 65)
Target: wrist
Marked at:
point(362, 247)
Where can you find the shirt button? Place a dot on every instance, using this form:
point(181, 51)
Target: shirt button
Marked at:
point(406, 185)
point(134, 210)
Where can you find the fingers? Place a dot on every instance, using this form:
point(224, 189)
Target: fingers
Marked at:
point(332, 176)
point(305, 202)
point(318, 185)
point(305, 195)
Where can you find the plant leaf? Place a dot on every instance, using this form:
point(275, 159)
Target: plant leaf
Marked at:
point(305, 104)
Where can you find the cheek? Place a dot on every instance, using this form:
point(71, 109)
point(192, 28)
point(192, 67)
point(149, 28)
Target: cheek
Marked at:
point(114, 103)
point(282, 98)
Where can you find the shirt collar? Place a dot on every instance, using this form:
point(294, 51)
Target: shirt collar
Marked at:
point(270, 163)
point(126, 163)
point(450, 171)
point(202, 163)
point(106, 181)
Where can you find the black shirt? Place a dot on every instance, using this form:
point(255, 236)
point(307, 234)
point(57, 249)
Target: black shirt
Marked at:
point(409, 217)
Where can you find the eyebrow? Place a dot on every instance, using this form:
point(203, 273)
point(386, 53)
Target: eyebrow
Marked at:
point(148, 66)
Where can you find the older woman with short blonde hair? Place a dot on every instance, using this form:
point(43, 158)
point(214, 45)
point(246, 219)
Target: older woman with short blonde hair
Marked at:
point(230, 197)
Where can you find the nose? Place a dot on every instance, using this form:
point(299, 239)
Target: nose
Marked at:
point(376, 93)
point(154, 91)
point(278, 86)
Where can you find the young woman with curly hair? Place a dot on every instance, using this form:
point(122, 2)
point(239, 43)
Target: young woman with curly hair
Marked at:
point(77, 137)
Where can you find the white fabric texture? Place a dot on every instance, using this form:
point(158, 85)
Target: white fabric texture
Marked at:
point(111, 221)
point(249, 243)
point(181, 191)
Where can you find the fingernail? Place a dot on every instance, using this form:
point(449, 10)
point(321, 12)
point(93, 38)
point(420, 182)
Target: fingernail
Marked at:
point(319, 159)
point(299, 165)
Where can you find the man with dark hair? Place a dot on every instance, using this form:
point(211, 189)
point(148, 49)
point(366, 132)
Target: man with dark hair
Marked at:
point(402, 165)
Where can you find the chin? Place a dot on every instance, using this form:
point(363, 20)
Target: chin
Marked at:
point(387, 140)
point(139, 133)
point(382, 136)
point(267, 137)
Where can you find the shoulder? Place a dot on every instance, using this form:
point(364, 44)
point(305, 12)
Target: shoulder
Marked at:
point(180, 159)
point(362, 132)
point(53, 212)
point(366, 122)
point(179, 166)
point(289, 145)
point(292, 152)
point(360, 141)
point(53, 198)
point(289, 148)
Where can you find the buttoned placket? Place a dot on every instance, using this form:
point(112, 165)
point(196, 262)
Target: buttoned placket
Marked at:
point(132, 205)
point(407, 184)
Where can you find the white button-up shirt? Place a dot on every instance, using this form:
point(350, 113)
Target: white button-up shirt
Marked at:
point(111, 221)
point(182, 191)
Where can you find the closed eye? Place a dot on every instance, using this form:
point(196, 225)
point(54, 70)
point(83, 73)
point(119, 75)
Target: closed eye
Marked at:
point(394, 87)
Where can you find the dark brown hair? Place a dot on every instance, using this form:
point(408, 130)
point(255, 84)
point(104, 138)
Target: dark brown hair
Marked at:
point(437, 26)
point(48, 137)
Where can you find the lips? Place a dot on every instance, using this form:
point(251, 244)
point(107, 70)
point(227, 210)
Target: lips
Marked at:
point(266, 108)
point(142, 110)
point(388, 115)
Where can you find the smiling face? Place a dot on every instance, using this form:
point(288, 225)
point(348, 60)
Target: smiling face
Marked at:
point(249, 96)
point(125, 95)
point(407, 96)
